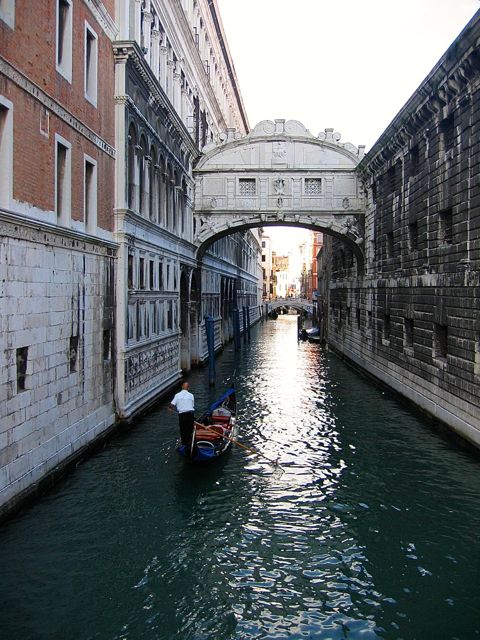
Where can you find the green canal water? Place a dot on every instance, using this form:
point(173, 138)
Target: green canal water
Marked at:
point(369, 530)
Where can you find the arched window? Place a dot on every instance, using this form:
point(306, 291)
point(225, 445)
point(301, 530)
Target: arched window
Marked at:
point(143, 178)
point(175, 207)
point(152, 207)
point(161, 192)
point(132, 190)
point(168, 198)
point(183, 206)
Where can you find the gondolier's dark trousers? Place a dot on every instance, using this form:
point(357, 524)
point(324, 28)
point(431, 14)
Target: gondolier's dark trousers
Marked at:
point(185, 420)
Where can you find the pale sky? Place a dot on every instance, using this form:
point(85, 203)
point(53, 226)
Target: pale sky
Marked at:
point(346, 64)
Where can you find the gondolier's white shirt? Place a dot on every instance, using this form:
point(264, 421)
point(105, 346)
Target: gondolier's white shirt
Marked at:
point(184, 401)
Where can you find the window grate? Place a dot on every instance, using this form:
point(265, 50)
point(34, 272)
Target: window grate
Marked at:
point(313, 186)
point(247, 186)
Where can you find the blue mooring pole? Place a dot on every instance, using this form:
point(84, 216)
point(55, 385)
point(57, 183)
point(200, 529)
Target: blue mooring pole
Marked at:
point(244, 309)
point(248, 322)
point(236, 329)
point(210, 331)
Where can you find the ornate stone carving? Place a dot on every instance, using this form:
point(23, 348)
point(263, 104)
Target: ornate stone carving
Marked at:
point(350, 228)
point(142, 368)
point(279, 154)
point(279, 186)
point(266, 127)
point(295, 128)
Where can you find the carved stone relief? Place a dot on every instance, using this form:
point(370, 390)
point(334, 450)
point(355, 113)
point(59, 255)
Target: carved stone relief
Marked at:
point(279, 154)
point(142, 368)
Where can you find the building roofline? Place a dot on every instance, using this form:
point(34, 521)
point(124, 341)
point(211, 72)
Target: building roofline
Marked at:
point(212, 5)
point(463, 45)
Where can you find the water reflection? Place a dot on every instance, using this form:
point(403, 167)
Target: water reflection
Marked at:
point(368, 529)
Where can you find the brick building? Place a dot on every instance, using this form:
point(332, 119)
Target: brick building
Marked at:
point(56, 149)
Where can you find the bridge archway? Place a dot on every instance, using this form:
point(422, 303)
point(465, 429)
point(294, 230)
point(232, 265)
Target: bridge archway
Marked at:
point(280, 175)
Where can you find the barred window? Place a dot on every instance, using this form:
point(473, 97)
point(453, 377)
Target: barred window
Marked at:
point(73, 353)
point(413, 236)
point(440, 341)
point(445, 226)
point(386, 327)
point(408, 333)
point(447, 130)
point(22, 357)
point(313, 186)
point(247, 186)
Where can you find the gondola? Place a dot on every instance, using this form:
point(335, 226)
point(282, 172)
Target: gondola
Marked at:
point(214, 430)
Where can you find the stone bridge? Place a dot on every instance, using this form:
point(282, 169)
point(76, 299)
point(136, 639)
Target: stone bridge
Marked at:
point(279, 175)
point(295, 303)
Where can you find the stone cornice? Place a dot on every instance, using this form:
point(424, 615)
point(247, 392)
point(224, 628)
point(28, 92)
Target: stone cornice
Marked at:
point(282, 131)
point(125, 216)
point(446, 84)
point(82, 242)
point(131, 50)
point(21, 80)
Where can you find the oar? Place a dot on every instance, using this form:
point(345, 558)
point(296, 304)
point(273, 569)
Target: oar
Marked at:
point(244, 446)
point(193, 441)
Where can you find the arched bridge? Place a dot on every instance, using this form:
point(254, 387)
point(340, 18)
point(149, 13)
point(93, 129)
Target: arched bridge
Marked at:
point(279, 174)
point(295, 303)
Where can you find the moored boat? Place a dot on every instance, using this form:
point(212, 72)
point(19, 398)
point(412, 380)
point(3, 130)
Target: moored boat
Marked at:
point(214, 430)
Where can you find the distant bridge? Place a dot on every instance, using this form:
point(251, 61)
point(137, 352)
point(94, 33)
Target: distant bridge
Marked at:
point(295, 303)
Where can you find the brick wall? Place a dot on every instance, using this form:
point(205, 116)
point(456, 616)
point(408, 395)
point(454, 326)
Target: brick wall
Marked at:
point(30, 53)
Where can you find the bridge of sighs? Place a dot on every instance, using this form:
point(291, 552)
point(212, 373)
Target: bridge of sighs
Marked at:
point(279, 174)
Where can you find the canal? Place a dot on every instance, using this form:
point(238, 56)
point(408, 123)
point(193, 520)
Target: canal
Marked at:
point(370, 528)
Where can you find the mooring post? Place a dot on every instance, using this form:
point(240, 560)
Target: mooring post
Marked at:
point(248, 322)
point(210, 331)
point(236, 329)
point(244, 314)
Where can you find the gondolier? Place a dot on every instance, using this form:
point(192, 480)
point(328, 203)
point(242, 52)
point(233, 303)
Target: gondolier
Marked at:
point(184, 404)
point(214, 430)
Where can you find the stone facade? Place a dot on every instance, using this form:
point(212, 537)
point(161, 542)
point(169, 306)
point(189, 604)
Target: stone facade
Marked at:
point(175, 92)
point(411, 318)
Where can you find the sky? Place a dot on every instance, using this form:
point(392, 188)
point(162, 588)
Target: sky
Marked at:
point(344, 64)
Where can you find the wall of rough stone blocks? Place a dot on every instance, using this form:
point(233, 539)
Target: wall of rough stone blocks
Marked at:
point(412, 319)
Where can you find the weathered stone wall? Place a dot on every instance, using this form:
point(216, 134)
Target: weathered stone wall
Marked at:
point(412, 319)
point(56, 391)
